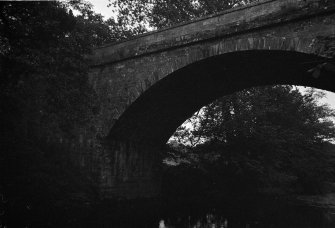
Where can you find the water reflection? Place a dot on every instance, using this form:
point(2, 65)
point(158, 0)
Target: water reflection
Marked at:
point(210, 221)
point(183, 214)
point(293, 217)
point(162, 224)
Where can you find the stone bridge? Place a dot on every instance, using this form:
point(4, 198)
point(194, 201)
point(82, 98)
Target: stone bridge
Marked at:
point(151, 84)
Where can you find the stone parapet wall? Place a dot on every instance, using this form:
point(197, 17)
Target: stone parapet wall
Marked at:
point(266, 13)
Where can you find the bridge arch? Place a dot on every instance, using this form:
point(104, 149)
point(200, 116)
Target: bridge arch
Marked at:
point(124, 73)
point(149, 85)
point(160, 109)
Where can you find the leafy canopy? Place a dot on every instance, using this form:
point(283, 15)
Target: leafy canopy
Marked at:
point(274, 137)
point(44, 85)
point(162, 13)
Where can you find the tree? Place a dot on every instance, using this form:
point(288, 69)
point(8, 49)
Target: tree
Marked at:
point(45, 93)
point(162, 13)
point(269, 139)
point(43, 66)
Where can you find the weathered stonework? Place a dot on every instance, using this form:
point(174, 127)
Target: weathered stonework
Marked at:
point(150, 84)
point(130, 171)
point(124, 71)
point(230, 23)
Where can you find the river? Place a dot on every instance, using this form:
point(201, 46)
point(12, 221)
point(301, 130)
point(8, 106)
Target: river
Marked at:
point(258, 214)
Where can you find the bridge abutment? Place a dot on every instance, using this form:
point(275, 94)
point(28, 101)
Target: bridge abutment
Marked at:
point(129, 170)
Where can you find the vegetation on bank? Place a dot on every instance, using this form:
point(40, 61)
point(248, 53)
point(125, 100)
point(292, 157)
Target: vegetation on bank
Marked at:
point(264, 140)
point(45, 96)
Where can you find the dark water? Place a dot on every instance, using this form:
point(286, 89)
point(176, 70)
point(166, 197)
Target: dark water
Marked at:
point(304, 217)
point(259, 214)
point(232, 213)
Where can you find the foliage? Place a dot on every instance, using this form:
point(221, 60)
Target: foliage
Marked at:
point(271, 139)
point(43, 65)
point(161, 13)
point(45, 95)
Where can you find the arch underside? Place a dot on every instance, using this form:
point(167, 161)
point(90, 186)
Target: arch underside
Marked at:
point(156, 114)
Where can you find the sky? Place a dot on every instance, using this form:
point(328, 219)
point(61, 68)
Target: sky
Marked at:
point(330, 99)
point(100, 6)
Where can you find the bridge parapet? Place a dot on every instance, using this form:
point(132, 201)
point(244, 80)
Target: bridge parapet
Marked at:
point(226, 24)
